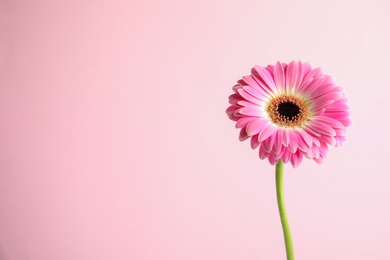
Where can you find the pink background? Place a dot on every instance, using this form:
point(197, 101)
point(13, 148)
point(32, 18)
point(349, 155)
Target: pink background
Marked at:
point(114, 143)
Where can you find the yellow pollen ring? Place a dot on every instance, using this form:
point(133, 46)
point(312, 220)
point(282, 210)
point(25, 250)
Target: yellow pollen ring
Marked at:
point(295, 119)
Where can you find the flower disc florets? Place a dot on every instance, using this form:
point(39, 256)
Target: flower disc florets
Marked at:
point(287, 111)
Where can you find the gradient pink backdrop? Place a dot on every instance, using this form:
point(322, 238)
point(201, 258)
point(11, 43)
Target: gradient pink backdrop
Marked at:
point(114, 143)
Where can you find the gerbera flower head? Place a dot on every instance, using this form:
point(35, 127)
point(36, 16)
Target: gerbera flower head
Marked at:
point(289, 111)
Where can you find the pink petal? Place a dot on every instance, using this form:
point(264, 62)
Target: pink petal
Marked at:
point(306, 69)
point(327, 97)
point(249, 97)
point(278, 142)
point(294, 75)
point(286, 137)
point(293, 143)
point(327, 139)
point(269, 143)
point(312, 132)
point(315, 150)
point(234, 99)
point(318, 160)
point(306, 137)
point(237, 87)
point(260, 94)
point(264, 76)
point(316, 141)
point(272, 161)
point(321, 89)
point(254, 142)
point(337, 114)
point(320, 107)
point(280, 79)
point(309, 86)
point(329, 120)
point(296, 159)
point(338, 106)
point(322, 128)
point(345, 121)
point(302, 144)
point(243, 136)
point(244, 121)
point(270, 68)
point(309, 153)
point(286, 156)
point(339, 140)
point(266, 132)
point(314, 73)
point(278, 156)
point(251, 81)
point(250, 111)
point(247, 104)
point(231, 112)
point(340, 132)
point(324, 150)
point(262, 153)
point(255, 126)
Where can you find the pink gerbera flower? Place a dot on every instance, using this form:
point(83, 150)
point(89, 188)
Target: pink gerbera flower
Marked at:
point(289, 111)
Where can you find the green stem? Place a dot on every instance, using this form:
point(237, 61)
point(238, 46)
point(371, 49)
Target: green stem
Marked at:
point(282, 211)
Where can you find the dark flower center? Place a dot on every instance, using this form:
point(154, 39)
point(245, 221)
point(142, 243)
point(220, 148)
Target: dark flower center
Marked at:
point(287, 111)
